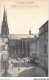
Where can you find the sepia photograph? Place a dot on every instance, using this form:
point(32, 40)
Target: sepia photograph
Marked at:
point(23, 38)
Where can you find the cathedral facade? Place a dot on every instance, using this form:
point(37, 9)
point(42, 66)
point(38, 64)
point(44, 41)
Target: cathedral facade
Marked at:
point(19, 44)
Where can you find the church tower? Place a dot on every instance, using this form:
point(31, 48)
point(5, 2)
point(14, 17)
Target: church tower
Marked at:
point(30, 31)
point(4, 26)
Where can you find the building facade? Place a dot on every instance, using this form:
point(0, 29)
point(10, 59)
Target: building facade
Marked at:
point(34, 47)
point(4, 45)
point(19, 44)
point(4, 53)
point(43, 45)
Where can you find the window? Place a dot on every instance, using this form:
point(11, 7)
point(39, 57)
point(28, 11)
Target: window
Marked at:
point(45, 49)
point(2, 39)
point(3, 48)
point(44, 37)
point(6, 47)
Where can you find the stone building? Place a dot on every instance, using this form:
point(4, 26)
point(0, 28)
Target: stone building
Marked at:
point(19, 44)
point(4, 54)
point(43, 45)
point(4, 48)
point(34, 47)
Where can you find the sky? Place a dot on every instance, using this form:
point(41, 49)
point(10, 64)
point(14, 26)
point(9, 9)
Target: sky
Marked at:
point(23, 15)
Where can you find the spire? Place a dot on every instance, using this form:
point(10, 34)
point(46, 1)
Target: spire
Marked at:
point(4, 8)
point(4, 15)
point(4, 26)
point(30, 31)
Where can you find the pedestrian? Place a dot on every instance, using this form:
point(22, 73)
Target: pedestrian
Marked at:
point(18, 69)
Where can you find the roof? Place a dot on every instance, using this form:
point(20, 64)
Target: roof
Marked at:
point(44, 24)
point(43, 28)
point(19, 36)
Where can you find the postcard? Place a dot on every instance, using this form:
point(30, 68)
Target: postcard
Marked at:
point(24, 38)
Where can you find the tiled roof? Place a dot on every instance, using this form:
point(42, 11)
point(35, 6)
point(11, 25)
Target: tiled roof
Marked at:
point(19, 36)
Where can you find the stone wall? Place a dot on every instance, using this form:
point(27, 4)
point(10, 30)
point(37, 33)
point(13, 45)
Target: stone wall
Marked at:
point(43, 46)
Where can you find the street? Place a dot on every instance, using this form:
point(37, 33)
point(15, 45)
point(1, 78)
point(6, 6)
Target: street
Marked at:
point(19, 68)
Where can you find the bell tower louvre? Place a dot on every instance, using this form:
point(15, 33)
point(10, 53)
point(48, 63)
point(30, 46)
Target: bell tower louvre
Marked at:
point(4, 26)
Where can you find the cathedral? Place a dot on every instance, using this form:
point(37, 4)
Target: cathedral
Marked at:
point(13, 46)
point(18, 44)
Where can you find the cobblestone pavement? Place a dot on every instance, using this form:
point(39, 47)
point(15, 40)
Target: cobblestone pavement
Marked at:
point(21, 69)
